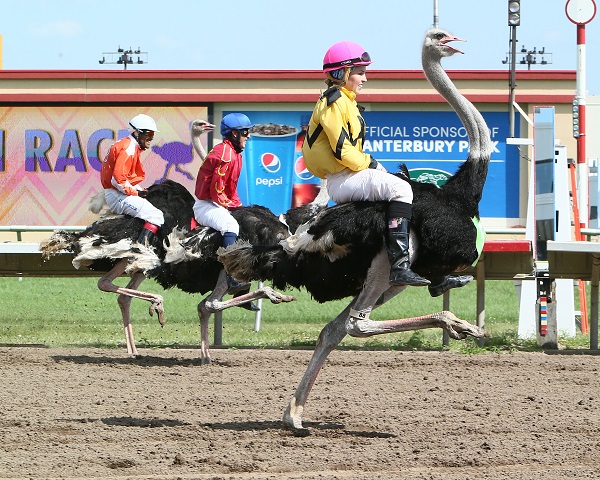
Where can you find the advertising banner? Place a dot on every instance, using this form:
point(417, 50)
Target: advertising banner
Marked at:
point(50, 157)
point(433, 145)
point(274, 174)
point(270, 166)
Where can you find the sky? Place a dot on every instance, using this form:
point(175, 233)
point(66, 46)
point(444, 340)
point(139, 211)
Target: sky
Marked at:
point(285, 35)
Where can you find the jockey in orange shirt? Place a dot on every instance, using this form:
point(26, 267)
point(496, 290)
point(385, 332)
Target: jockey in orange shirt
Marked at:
point(121, 175)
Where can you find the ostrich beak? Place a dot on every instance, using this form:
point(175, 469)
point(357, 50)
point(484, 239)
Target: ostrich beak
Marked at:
point(449, 39)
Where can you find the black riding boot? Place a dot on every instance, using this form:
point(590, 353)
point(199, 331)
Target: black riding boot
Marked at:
point(147, 233)
point(449, 282)
point(398, 235)
point(233, 286)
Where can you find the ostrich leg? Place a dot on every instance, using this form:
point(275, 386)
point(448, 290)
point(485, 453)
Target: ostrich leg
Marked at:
point(204, 315)
point(455, 327)
point(213, 303)
point(354, 320)
point(156, 301)
point(376, 286)
point(358, 323)
point(124, 302)
point(329, 338)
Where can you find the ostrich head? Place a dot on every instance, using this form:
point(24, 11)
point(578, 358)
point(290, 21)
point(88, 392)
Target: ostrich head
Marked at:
point(198, 127)
point(436, 43)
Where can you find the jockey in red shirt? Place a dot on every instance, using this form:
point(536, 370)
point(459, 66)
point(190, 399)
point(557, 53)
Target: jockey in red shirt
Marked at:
point(216, 184)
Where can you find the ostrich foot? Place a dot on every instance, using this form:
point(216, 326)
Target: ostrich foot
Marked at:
point(205, 349)
point(276, 297)
point(459, 329)
point(132, 351)
point(205, 358)
point(292, 419)
point(157, 305)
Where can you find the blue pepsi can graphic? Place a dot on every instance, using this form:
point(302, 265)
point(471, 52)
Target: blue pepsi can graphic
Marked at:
point(269, 165)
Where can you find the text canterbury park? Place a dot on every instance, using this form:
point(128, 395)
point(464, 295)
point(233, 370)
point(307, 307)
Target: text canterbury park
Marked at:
point(420, 139)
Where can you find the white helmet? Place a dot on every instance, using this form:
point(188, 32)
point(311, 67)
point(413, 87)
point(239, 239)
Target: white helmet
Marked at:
point(143, 122)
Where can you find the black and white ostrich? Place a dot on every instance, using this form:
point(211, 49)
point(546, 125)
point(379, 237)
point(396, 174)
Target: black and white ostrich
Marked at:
point(342, 251)
point(180, 256)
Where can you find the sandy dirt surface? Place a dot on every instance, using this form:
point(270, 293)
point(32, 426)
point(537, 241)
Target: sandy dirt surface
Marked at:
point(97, 414)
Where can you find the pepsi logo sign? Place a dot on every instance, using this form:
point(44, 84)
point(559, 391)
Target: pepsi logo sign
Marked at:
point(270, 162)
point(301, 171)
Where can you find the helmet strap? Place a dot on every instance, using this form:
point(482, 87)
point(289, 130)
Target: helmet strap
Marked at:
point(235, 140)
point(136, 134)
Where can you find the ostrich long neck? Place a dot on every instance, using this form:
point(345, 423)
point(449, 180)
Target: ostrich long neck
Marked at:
point(477, 130)
point(198, 147)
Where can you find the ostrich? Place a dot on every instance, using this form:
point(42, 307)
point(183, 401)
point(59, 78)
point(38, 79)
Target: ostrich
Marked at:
point(108, 246)
point(342, 252)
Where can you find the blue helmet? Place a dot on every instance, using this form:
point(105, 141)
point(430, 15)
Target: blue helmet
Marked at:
point(234, 121)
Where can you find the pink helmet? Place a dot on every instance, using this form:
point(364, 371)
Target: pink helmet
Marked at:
point(344, 54)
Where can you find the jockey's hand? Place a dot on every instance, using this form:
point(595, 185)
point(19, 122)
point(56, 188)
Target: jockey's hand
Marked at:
point(376, 165)
point(131, 191)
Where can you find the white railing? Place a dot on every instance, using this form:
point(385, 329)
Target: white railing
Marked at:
point(20, 229)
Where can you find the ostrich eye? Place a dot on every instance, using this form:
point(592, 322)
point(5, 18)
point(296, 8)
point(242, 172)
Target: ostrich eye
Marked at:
point(439, 36)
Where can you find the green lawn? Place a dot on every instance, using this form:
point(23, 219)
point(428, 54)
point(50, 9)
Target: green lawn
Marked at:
point(73, 312)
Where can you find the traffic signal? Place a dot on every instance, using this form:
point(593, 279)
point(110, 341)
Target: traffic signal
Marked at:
point(576, 118)
point(514, 13)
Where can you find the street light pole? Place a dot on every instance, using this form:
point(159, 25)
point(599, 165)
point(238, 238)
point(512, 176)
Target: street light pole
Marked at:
point(513, 79)
point(514, 20)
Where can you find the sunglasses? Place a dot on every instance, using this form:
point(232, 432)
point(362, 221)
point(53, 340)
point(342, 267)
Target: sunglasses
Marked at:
point(365, 57)
point(148, 133)
point(244, 133)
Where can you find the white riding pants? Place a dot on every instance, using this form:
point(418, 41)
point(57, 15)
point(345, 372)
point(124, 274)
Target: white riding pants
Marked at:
point(133, 206)
point(210, 214)
point(369, 184)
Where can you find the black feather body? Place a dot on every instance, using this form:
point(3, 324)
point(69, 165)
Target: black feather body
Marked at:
point(441, 222)
point(258, 225)
point(171, 197)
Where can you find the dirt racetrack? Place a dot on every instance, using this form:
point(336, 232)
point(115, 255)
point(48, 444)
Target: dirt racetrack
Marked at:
point(97, 414)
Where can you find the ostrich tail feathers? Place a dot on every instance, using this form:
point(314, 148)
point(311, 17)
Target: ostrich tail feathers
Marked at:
point(246, 262)
point(97, 203)
point(60, 240)
point(93, 248)
point(183, 246)
point(404, 171)
point(194, 242)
